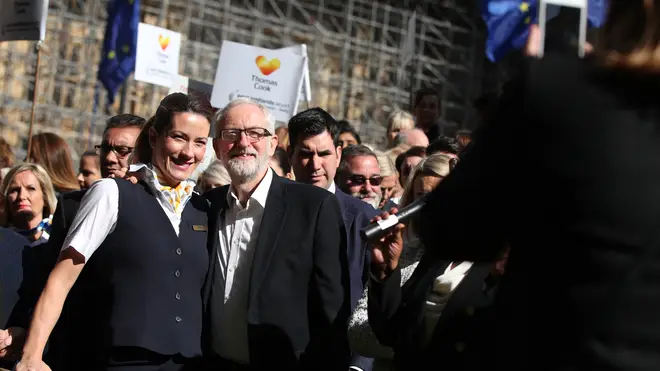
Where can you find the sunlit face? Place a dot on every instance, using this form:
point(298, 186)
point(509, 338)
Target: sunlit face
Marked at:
point(427, 111)
point(364, 180)
point(26, 197)
point(347, 139)
point(178, 151)
point(425, 184)
point(387, 188)
point(315, 160)
point(407, 167)
point(245, 159)
point(117, 145)
point(89, 171)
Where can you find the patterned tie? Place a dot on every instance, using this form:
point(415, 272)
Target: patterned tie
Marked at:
point(175, 195)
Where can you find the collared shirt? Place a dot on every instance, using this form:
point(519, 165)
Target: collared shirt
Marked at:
point(238, 238)
point(99, 209)
point(332, 188)
point(443, 287)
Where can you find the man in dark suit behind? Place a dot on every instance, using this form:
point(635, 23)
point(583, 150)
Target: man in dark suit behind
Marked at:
point(278, 287)
point(315, 155)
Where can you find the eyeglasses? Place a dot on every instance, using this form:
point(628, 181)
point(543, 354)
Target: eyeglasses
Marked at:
point(358, 179)
point(121, 151)
point(253, 134)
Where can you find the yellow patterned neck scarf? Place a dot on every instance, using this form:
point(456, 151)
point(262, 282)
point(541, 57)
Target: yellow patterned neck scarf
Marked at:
point(175, 196)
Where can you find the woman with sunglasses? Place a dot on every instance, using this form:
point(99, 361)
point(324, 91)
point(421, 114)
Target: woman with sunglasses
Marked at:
point(140, 253)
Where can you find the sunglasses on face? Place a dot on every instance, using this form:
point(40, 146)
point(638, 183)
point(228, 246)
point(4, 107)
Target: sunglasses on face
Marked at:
point(121, 151)
point(358, 179)
point(253, 134)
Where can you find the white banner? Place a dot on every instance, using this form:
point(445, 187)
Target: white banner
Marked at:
point(270, 77)
point(157, 55)
point(23, 20)
point(306, 89)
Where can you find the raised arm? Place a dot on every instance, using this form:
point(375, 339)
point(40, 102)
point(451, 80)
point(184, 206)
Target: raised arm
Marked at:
point(96, 218)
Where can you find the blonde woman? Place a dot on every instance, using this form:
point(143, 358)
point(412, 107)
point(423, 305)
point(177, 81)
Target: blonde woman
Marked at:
point(390, 185)
point(426, 176)
point(29, 201)
point(214, 176)
point(398, 121)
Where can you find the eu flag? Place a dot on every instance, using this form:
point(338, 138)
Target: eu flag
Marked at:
point(119, 45)
point(508, 22)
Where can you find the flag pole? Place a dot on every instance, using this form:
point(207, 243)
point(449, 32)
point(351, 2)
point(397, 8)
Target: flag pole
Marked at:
point(34, 100)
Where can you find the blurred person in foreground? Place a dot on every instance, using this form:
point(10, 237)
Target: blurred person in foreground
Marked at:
point(89, 170)
point(140, 250)
point(561, 199)
point(53, 153)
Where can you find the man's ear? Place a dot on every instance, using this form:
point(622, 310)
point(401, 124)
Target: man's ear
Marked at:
point(338, 149)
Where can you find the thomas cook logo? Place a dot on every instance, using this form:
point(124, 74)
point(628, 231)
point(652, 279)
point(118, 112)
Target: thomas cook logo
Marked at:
point(164, 41)
point(267, 66)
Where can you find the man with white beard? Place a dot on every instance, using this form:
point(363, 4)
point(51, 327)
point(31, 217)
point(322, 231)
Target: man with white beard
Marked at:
point(277, 294)
point(359, 174)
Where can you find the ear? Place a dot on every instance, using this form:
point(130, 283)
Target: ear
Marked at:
point(338, 149)
point(152, 137)
point(273, 145)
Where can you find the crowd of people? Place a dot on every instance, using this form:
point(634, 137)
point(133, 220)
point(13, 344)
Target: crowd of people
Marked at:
point(107, 284)
point(171, 250)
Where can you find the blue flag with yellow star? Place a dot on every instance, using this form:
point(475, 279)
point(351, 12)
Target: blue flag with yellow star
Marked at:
point(508, 22)
point(118, 58)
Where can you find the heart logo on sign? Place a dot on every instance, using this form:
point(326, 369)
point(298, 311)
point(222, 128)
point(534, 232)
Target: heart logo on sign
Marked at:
point(164, 41)
point(267, 66)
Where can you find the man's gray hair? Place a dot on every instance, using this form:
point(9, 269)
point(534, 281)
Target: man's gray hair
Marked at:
point(221, 114)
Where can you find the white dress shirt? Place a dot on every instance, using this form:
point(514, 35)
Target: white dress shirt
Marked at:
point(99, 208)
point(443, 287)
point(332, 188)
point(238, 238)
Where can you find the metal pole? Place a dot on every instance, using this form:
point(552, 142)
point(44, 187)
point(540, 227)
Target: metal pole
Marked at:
point(34, 101)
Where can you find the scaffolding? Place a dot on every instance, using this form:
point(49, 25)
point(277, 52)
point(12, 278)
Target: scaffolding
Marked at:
point(354, 49)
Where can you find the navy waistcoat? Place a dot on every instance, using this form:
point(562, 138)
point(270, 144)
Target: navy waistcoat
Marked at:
point(145, 283)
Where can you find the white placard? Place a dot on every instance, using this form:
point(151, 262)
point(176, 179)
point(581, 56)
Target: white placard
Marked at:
point(23, 20)
point(270, 77)
point(157, 55)
point(179, 85)
point(306, 89)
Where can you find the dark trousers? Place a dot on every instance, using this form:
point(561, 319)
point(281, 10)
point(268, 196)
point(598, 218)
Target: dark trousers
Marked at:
point(139, 359)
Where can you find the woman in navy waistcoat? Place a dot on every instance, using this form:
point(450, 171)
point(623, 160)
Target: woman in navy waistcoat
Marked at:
point(139, 254)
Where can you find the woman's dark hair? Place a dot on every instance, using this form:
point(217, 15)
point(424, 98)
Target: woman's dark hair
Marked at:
point(282, 158)
point(142, 151)
point(161, 122)
point(346, 127)
point(52, 152)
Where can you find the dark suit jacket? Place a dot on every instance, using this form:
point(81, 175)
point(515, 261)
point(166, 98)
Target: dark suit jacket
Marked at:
point(462, 339)
point(357, 215)
point(568, 171)
point(299, 300)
